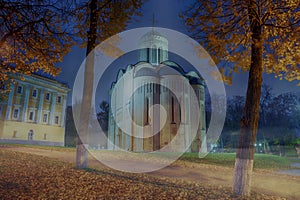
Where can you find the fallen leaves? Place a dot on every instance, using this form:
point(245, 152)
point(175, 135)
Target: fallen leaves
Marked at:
point(26, 176)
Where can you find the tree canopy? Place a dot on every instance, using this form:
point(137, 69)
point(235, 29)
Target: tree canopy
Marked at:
point(112, 17)
point(34, 35)
point(223, 27)
point(254, 35)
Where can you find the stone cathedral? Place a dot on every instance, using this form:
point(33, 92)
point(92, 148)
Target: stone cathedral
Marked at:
point(138, 88)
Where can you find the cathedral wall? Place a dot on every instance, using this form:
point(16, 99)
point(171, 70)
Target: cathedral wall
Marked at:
point(154, 49)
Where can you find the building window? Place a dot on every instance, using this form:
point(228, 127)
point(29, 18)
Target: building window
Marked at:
point(30, 135)
point(31, 115)
point(147, 87)
point(34, 93)
point(56, 119)
point(45, 136)
point(47, 96)
point(159, 55)
point(147, 111)
point(45, 118)
point(16, 113)
point(15, 134)
point(172, 111)
point(19, 89)
point(59, 99)
point(148, 55)
point(154, 54)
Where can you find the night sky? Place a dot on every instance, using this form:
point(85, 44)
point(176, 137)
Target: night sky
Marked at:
point(166, 16)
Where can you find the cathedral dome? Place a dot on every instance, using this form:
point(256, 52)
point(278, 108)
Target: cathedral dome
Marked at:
point(174, 66)
point(153, 48)
point(152, 35)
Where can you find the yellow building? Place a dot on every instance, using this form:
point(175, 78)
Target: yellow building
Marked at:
point(34, 111)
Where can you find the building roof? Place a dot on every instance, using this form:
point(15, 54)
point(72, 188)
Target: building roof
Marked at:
point(193, 77)
point(41, 81)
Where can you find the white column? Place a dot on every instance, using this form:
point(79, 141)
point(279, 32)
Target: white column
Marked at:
point(25, 105)
point(9, 102)
point(40, 109)
point(53, 103)
point(63, 112)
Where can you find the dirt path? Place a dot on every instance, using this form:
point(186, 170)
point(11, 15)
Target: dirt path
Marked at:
point(264, 181)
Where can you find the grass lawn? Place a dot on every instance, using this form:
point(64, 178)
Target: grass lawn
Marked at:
point(54, 148)
point(261, 161)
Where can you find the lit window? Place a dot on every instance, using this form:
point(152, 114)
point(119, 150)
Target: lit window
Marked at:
point(31, 115)
point(45, 118)
point(34, 93)
point(16, 114)
point(47, 96)
point(19, 89)
point(56, 120)
point(59, 99)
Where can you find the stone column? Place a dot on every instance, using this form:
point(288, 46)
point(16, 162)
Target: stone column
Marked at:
point(53, 103)
point(9, 102)
point(40, 109)
point(63, 112)
point(25, 105)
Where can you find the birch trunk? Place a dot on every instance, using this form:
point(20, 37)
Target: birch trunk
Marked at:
point(249, 122)
point(85, 110)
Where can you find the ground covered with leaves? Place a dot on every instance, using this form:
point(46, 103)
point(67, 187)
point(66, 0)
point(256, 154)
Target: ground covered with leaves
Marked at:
point(26, 176)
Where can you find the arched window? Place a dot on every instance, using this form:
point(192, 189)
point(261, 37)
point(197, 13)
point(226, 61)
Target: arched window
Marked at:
point(148, 54)
point(147, 111)
point(159, 55)
point(154, 54)
point(172, 111)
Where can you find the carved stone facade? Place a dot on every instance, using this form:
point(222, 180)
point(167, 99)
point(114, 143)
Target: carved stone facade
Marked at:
point(142, 86)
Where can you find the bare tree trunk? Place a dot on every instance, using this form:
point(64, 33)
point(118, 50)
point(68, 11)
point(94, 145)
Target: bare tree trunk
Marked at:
point(85, 110)
point(249, 122)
